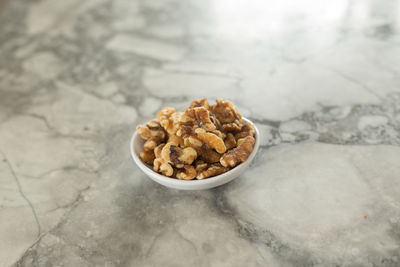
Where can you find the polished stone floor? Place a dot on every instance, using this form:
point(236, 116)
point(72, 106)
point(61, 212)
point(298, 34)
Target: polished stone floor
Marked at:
point(321, 79)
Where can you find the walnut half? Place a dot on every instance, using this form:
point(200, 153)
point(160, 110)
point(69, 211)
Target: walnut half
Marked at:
point(159, 165)
point(147, 157)
point(178, 156)
point(238, 154)
point(214, 169)
point(152, 129)
point(189, 173)
point(211, 139)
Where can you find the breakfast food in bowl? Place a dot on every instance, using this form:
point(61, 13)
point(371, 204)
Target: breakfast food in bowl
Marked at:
point(201, 142)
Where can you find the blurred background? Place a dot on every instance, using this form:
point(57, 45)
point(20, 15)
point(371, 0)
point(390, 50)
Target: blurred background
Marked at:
point(283, 58)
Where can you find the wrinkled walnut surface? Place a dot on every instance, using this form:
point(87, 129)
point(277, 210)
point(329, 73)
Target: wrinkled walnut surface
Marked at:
point(200, 142)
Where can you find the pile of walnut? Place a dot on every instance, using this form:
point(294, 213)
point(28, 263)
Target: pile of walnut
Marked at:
point(200, 142)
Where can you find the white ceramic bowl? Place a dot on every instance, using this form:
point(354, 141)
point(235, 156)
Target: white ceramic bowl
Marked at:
point(136, 146)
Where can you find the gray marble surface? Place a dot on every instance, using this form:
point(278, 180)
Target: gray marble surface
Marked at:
point(321, 79)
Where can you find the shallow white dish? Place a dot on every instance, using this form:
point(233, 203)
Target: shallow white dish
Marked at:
point(136, 146)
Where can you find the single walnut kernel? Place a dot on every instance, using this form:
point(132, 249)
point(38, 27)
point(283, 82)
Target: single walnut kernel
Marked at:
point(214, 169)
point(147, 156)
point(208, 155)
point(189, 173)
point(212, 140)
point(152, 129)
point(202, 141)
point(177, 140)
point(192, 142)
point(178, 156)
point(169, 119)
point(232, 126)
point(230, 141)
point(225, 111)
point(188, 155)
point(247, 130)
point(198, 117)
point(150, 144)
point(219, 134)
point(214, 120)
point(238, 154)
point(163, 167)
point(157, 150)
point(200, 165)
point(240, 141)
point(200, 103)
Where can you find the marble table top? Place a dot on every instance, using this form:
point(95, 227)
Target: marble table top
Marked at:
point(321, 79)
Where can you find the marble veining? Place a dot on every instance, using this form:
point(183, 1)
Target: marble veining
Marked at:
point(320, 79)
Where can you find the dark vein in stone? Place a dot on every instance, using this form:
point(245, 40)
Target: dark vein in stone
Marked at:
point(51, 128)
point(22, 192)
point(29, 249)
point(147, 254)
point(73, 206)
point(250, 232)
point(187, 240)
point(68, 205)
point(66, 169)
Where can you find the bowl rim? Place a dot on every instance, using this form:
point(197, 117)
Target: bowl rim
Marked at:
point(145, 168)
